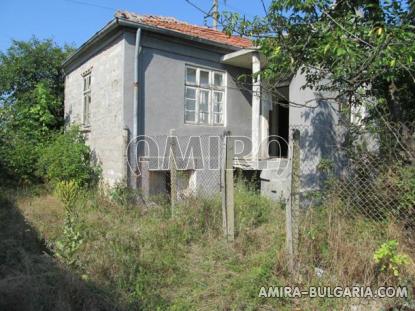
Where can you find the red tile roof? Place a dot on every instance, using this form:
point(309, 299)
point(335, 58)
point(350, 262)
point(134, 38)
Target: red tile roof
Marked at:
point(173, 24)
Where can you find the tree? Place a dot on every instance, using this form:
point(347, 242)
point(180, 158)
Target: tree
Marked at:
point(366, 48)
point(31, 103)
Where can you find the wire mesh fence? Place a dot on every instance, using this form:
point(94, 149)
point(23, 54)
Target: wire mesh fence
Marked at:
point(366, 175)
point(373, 176)
point(188, 165)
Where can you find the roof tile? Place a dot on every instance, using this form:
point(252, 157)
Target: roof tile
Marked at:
point(173, 24)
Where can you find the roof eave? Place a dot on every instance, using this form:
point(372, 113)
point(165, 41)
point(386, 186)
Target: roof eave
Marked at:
point(113, 24)
point(95, 38)
point(177, 34)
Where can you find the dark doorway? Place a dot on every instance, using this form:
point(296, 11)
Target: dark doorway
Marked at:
point(278, 129)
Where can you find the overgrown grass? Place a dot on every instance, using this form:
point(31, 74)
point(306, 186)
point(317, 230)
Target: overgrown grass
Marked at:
point(30, 277)
point(139, 257)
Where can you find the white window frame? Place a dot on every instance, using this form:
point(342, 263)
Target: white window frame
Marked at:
point(211, 88)
point(86, 91)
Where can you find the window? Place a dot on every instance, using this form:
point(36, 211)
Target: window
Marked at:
point(204, 96)
point(87, 99)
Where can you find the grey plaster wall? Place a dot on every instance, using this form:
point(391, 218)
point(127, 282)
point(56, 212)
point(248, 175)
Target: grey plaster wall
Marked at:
point(163, 65)
point(105, 134)
point(320, 134)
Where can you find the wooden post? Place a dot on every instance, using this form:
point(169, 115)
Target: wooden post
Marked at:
point(173, 171)
point(293, 206)
point(228, 204)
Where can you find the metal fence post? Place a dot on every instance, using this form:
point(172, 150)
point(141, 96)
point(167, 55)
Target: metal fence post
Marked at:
point(293, 205)
point(228, 205)
point(173, 171)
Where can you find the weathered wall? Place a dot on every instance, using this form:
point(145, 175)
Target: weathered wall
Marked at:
point(162, 67)
point(105, 134)
point(318, 122)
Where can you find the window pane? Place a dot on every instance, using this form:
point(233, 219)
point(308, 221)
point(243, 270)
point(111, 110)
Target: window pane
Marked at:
point(218, 79)
point(87, 82)
point(218, 97)
point(204, 107)
point(189, 116)
point(191, 75)
point(203, 117)
point(217, 101)
point(217, 118)
point(87, 101)
point(204, 78)
point(204, 101)
point(190, 93)
point(190, 104)
point(217, 107)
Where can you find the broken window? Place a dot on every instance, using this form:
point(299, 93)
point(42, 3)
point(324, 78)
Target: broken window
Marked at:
point(204, 96)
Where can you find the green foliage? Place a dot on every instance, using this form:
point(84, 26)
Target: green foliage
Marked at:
point(27, 63)
point(355, 44)
point(67, 246)
point(66, 158)
point(406, 187)
point(389, 260)
point(251, 208)
point(25, 129)
point(123, 195)
point(31, 109)
point(147, 260)
point(68, 192)
point(326, 166)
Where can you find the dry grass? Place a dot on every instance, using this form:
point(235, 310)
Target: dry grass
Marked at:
point(138, 257)
point(30, 277)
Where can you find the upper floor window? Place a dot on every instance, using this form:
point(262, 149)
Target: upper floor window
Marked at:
point(204, 96)
point(87, 99)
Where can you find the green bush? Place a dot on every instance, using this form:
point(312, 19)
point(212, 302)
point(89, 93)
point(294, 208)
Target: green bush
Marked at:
point(389, 260)
point(66, 158)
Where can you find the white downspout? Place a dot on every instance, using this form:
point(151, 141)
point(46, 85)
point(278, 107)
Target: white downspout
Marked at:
point(137, 52)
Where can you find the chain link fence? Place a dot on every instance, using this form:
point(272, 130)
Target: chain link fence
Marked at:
point(182, 166)
point(373, 177)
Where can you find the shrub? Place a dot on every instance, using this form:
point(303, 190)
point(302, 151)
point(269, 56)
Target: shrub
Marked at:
point(68, 158)
point(389, 260)
point(67, 246)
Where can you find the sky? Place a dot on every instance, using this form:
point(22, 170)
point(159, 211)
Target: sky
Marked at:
point(74, 21)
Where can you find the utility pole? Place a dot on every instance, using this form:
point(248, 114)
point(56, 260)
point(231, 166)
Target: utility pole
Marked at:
point(215, 13)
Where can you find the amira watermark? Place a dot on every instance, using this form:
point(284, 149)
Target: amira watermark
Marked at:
point(203, 152)
point(334, 292)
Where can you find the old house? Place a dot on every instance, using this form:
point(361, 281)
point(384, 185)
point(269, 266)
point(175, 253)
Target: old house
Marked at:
point(146, 75)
